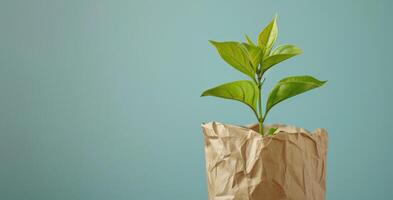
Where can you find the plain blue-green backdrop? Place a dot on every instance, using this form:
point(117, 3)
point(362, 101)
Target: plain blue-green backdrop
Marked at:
point(100, 99)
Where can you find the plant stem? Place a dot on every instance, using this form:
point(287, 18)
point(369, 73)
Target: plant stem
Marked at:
point(260, 119)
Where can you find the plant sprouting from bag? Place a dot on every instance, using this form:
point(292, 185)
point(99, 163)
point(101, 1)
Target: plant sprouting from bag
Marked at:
point(254, 60)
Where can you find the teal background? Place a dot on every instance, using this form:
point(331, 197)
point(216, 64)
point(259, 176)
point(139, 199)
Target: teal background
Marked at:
point(100, 99)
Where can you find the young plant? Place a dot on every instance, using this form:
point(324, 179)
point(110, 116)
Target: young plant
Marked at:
point(254, 60)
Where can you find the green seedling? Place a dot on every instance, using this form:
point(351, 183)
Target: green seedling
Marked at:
point(254, 60)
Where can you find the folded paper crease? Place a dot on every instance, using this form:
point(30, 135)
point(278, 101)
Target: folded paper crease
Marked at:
point(243, 165)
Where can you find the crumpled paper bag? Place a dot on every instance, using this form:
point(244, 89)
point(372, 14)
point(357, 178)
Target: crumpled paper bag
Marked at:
point(243, 165)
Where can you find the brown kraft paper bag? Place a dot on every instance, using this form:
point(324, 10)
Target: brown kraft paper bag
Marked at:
point(243, 165)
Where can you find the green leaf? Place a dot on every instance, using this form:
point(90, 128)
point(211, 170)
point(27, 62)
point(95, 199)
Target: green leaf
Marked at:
point(236, 55)
point(249, 41)
point(289, 87)
point(268, 36)
point(280, 54)
point(271, 131)
point(255, 54)
point(243, 91)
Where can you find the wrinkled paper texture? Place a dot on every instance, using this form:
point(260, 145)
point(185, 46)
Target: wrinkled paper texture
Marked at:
point(243, 165)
